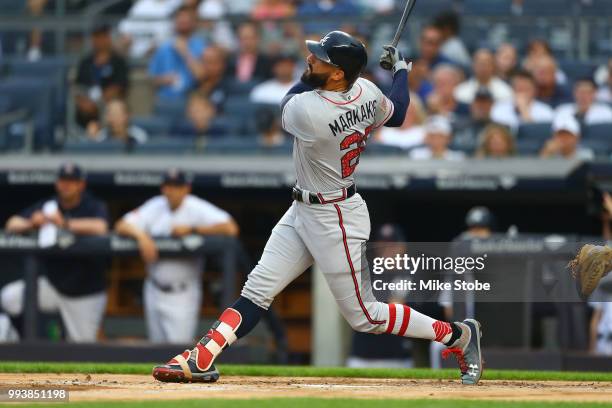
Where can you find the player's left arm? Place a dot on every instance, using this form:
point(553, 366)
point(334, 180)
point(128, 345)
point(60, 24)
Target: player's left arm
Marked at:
point(398, 95)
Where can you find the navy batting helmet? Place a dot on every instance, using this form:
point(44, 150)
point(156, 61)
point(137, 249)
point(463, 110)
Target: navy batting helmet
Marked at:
point(479, 217)
point(341, 50)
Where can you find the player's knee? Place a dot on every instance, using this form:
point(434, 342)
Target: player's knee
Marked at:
point(11, 298)
point(363, 325)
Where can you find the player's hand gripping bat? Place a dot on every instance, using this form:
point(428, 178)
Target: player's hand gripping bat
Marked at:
point(386, 63)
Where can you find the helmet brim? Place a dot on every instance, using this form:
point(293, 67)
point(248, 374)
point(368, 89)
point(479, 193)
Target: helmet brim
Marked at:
point(317, 50)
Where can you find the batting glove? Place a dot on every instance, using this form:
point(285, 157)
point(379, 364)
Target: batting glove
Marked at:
point(392, 59)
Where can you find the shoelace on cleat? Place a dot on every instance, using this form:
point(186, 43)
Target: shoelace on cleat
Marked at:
point(459, 355)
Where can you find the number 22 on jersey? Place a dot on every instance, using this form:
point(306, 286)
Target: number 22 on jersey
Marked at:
point(357, 143)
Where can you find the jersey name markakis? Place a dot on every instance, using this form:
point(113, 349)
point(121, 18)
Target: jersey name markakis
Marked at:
point(353, 117)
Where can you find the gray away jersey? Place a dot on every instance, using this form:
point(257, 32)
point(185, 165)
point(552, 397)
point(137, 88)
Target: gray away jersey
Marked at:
point(331, 130)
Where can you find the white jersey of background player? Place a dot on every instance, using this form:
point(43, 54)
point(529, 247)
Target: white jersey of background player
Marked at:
point(330, 113)
point(172, 291)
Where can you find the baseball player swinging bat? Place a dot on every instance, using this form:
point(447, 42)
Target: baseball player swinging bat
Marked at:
point(385, 64)
point(330, 113)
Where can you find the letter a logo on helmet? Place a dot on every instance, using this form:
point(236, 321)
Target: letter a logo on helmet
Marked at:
point(341, 50)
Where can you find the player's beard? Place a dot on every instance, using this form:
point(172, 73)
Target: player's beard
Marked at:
point(314, 80)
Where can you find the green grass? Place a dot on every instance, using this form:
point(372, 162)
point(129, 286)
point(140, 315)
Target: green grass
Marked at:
point(301, 371)
point(331, 403)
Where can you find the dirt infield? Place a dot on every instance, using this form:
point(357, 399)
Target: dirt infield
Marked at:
point(138, 387)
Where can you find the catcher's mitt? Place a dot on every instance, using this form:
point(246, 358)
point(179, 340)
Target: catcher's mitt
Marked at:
point(592, 263)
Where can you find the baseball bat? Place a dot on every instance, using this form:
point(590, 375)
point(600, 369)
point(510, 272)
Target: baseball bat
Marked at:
point(400, 29)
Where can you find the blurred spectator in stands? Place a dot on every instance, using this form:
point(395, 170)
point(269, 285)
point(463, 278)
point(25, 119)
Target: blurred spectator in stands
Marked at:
point(452, 47)
point(272, 10)
point(176, 65)
point(147, 26)
point(484, 76)
point(274, 90)
point(604, 94)
point(35, 9)
point(117, 126)
point(600, 341)
point(213, 26)
point(466, 134)
point(524, 108)
point(378, 6)
point(411, 133)
point(214, 83)
point(418, 80)
point(549, 90)
point(267, 122)
point(102, 76)
point(441, 101)
point(198, 122)
point(430, 43)
point(75, 289)
point(537, 49)
point(585, 109)
point(173, 286)
point(506, 61)
point(496, 142)
point(565, 141)
point(326, 9)
point(249, 63)
point(438, 136)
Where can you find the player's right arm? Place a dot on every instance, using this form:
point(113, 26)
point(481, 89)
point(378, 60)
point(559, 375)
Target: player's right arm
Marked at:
point(29, 219)
point(134, 225)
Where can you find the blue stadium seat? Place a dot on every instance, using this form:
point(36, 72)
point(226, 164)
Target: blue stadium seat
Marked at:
point(577, 69)
point(242, 113)
point(529, 147)
point(244, 145)
point(601, 132)
point(601, 148)
point(54, 70)
point(37, 97)
point(597, 8)
point(90, 147)
point(172, 109)
point(487, 7)
point(237, 88)
point(377, 149)
point(166, 145)
point(154, 125)
point(431, 7)
point(546, 8)
point(534, 132)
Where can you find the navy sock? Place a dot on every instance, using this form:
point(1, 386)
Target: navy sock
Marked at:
point(250, 312)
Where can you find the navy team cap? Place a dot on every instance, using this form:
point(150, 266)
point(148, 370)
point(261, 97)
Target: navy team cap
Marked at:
point(70, 171)
point(176, 177)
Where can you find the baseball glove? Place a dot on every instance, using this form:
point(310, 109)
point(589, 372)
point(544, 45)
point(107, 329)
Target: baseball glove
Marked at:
point(592, 263)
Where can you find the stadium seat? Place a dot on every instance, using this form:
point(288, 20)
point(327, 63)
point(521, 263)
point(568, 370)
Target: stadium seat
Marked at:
point(431, 7)
point(166, 145)
point(601, 148)
point(529, 147)
point(577, 69)
point(547, 8)
point(534, 132)
point(89, 147)
point(242, 111)
point(237, 88)
point(172, 109)
point(244, 145)
point(154, 125)
point(487, 8)
point(597, 8)
point(37, 97)
point(601, 132)
point(378, 149)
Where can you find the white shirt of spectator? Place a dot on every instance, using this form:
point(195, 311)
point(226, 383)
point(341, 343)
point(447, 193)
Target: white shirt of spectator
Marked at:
point(455, 50)
point(466, 91)
point(505, 113)
point(425, 153)
point(157, 219)
point(147, 34)
point(270, 92)
point(597, 113)
point(402, 138)
point(604, 95)
point(604, 328)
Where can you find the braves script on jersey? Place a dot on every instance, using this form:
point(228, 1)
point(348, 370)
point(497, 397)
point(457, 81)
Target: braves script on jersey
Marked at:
point(331, 130)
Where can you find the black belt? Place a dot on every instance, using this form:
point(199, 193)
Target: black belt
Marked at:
point(180, 287)
point(313, 198)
